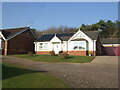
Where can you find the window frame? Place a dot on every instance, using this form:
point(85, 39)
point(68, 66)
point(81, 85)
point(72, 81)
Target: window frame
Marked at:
point(46, 47)
point(77, 45)
point(42, 46)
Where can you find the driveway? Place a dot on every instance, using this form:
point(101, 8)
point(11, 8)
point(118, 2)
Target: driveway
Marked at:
point(106, 60)
point(102, 72)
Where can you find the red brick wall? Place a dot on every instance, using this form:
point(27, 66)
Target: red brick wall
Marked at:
point(21, 44)
point(43, 52)
point(78, 53)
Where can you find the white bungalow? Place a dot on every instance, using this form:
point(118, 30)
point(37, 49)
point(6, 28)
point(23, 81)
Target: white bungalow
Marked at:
point(79, 43)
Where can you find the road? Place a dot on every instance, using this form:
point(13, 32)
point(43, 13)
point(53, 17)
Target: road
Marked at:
point(102, 72)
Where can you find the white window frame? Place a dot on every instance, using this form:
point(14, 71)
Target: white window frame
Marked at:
point(77, 44)
point(43, 46)
point(40, 46)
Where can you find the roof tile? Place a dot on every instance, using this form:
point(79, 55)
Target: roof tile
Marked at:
point(7, 33)
point(66, 36)
point(110, 41)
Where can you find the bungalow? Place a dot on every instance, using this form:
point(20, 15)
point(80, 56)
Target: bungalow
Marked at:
point(111, 46)
point(78, 43)
point(16, 40)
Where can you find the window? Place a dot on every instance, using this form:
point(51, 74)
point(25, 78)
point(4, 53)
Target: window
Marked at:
point(79, 45)
point(40, 45)
point(43, 46)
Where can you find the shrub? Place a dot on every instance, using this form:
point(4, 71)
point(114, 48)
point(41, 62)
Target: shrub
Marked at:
point(30, 53)
point(52, 53)
point(64, 55)
point(90, 53)
point(60, 52)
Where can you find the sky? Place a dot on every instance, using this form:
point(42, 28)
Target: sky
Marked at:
point(43, 15)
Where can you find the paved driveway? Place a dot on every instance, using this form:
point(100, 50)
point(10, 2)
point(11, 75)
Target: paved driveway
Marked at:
point(106, 60)
point(102, 72)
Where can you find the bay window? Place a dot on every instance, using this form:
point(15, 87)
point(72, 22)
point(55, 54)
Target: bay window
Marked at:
point(79, 45)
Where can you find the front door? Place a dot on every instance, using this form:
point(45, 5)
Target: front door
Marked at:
point(57, 48)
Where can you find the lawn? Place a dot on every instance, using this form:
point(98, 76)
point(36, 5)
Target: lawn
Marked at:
point(49, 58)
point(16, 77)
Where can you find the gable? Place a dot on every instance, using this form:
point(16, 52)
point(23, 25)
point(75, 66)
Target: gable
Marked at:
point(55, 39)
point(28, 33)
point(79, 35)
point(87, 35)
point(11, 33)
point(7, 33)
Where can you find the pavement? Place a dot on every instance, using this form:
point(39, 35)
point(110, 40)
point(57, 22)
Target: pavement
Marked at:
point(106, 60)
point(102, 72)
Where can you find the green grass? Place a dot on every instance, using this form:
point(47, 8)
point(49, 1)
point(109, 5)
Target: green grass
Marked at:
point(16, 77)
point(48, 58)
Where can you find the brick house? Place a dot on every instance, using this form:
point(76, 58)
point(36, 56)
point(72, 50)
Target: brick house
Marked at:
point(110, 46)
point(17, 40)
point(78, 43)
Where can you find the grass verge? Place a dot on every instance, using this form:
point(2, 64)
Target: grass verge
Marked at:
point(16, 77)
point(49, 58)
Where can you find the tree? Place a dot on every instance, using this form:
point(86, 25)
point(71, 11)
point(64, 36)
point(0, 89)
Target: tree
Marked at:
point(109, 29)
point(83, 26)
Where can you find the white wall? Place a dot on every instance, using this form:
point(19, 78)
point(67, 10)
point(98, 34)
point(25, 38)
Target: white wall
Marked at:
point(65, 48)
point(50, 46)
point(92, 45)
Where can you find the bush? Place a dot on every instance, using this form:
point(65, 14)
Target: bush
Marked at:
point(64, 55)
point(52, 53)
point(60, 52)
point(30, 53)
point(90, 53)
